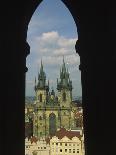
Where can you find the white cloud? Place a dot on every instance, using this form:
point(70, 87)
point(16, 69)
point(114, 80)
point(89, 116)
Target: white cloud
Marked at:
point(51, 47)
point(50, 36)
point(73, 59)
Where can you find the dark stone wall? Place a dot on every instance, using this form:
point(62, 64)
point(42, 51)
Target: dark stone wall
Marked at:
point(96, 22)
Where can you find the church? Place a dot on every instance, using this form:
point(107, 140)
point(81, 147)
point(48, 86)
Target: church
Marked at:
point(51, 111)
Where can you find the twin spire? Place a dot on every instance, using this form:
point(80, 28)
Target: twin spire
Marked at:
point(64, 77)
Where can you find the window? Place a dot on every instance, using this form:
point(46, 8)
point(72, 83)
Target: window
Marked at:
point(40, 97)
point(44, 147)
point(73, 144)
point(69, 150)
point(64, 96)
point(73, 150)
point(77, 151)
point(65, 150)
point(60, 150)
point(40, 118)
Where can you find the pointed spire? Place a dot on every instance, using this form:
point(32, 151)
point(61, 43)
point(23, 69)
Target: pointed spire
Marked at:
point(57, 81)
point(48, 83)
point(60, 72)
point(38, 75)
point(63, 66)
point(41, 69)
point(35, 81)
point(63, 61)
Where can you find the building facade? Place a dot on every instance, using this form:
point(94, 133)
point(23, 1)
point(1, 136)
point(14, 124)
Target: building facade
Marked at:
point(35, 146)
point(66, 143)
point(51, 111)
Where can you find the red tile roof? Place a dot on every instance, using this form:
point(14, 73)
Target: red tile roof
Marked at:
point(47, 140)
point(33, 139)
point(70, 134)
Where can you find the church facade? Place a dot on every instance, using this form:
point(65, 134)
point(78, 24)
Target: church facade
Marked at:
point(51, 111)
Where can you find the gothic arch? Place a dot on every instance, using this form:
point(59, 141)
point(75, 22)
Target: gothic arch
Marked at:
point(96, 47)
point(52, 124)
point(40, 97)
point(64, 96)
point(71, 8)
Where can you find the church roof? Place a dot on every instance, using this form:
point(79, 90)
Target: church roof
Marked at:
point(70, 134)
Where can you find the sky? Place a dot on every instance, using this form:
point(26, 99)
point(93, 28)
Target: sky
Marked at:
point(52, 34)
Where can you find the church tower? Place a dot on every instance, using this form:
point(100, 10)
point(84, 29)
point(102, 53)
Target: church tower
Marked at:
point(64, 87)
point(41, 91)
point(41, 88)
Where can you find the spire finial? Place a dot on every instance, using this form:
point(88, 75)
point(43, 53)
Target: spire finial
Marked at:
point(41, 68)
point(35, 80)
point(48, 82)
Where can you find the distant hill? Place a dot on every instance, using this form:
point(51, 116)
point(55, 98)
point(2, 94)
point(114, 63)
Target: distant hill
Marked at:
point(78, 101)
point(77, 98)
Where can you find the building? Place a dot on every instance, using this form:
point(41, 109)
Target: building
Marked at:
point(51, 111)
point(28, 124)
point(66, 143)
point(34, 146)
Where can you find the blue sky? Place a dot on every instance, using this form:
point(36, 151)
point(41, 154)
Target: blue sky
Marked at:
point(51, 34)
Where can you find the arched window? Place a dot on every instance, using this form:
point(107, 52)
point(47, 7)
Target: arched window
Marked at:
point(64, 96)
point(40, 97)
point(53, 44)
point(52, 124)
point(40, 118)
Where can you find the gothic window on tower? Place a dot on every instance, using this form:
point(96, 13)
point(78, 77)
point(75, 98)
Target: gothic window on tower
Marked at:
point(40, 97)
point(54, 58)
point(40, 133)
point(64, 96)
point(40, 118)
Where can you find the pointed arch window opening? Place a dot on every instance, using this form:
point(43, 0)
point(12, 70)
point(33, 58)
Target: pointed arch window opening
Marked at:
point(64, 96)
point(40, 97)
point(52, 117)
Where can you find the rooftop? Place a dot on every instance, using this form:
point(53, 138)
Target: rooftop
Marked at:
point(70, 134)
